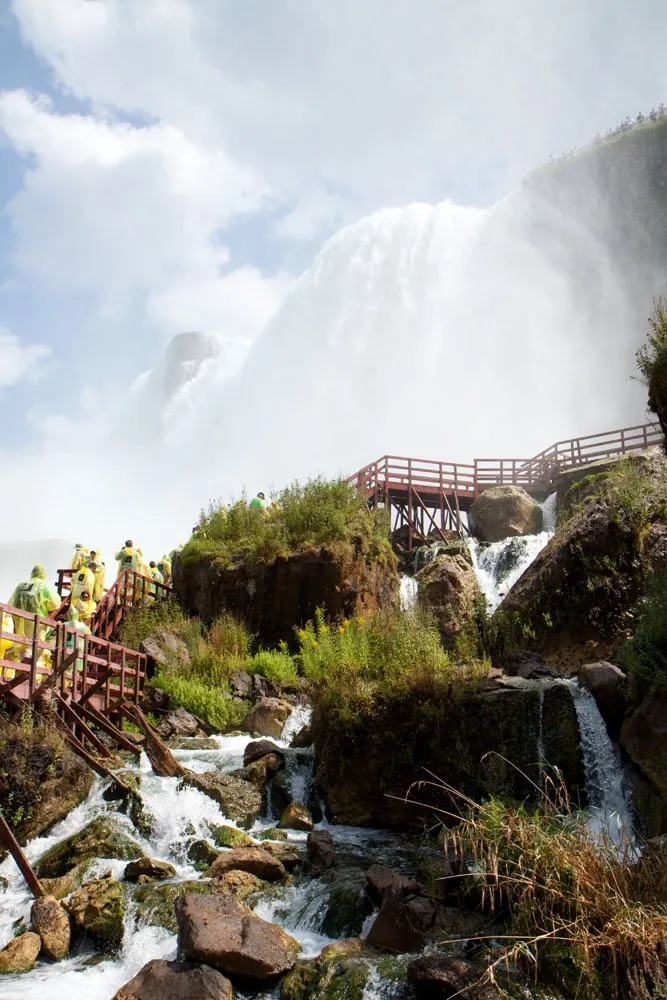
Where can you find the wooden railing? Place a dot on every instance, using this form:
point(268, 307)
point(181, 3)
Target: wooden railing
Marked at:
point(400, 473)
point(84, 667)
point(128, 590)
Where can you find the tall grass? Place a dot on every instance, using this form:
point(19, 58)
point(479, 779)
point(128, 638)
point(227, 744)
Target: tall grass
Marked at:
point(578, 913)
point(392, 654)
point(304, 517)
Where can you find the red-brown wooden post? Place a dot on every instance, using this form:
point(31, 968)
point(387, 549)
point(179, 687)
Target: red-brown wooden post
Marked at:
point(32, 686)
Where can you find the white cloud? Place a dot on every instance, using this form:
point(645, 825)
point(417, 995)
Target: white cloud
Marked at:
point(20, 361)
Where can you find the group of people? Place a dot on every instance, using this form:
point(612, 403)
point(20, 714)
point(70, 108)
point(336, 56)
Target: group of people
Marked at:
point(36, 596)
point(654, 116)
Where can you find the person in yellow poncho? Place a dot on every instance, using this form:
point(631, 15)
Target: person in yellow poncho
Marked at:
point(83, 580)
point(127, 557)
point(79, 558)
point(100, 572)
point(37, 597)
point(85, 607)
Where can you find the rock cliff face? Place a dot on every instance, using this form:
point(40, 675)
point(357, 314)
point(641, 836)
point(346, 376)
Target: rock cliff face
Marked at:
point(273, 598)
point(462, 741)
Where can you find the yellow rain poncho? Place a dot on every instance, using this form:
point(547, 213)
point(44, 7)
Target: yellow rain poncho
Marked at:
point(79, 558)
point(127, 559)
point(38, 597)
point(83, 580)
point(85, 609)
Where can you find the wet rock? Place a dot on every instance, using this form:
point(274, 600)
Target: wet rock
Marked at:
point(281, 792)
point(260, 772)
point(455, 922)
point(380, 881)
point(155, 902)
point(202, 854)
point(221, 932)
point(20, 955)
point(240, 884)
point(340, 949)
point(255, 860)
point(302, 739)
point(448, 587)
point(103, 837)
point(40, 784)
point(268, 717)
point(257, 749)
point(342, 977)
point(164, 650)
point(66, 884)
point(156, 700)
point(644, 738)
point(194, 743)
point(178, 723)
point(241, 684)
point(272, 834)
point(402, 925)
point(347, 903)
point(239, 800)
point(321, 850)
point(296, 817)
point(288, 854)
point(441, 977)
point(502, 512)
point(229, 836)
point(162, 980)
point(148, 868)
point(51, 922)
point(99, 908)
point(435, 876)
point(608, 685)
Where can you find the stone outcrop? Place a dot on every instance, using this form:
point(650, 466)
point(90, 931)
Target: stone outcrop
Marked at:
point(21, 954)
point(402, 924)
point(268, 717)
point(161, 980)
point(441, 977)
point(504, 512)
point(39, 785)
point(574, 603)
point(103, 837)
point(178, 723)
point(608, 685)
point(148, 869)
point(644, 739)
point(273, 598)
point(257, 749)
point(239, 800)
point(99, 908)
point(221, 932)
point(449, 588)
point(164, 650)
point(51, 922)
point(155, 901)
point(254, 860)
point(381, 881)
point(467, 743)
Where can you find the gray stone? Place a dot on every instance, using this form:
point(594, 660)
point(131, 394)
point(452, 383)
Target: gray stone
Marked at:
point(162, 980)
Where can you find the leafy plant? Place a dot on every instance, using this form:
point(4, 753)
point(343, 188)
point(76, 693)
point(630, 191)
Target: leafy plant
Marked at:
point(645, 655)
point(651, 357)
point(276, 665)
point(211, 704)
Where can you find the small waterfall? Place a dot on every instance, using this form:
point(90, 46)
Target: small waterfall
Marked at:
point(609, 800)
point(408, 595)
point(499, 565)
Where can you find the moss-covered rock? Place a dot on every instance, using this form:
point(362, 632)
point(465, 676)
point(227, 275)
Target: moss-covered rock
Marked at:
point(202, 854)
point(20, 955)
point(341, 978)
point(229, 836)
point(103, 837)
point(99, 909)
point(155, 903)
point(68, 883)
point(241, 884)
point(272, 834)
point(347, 902)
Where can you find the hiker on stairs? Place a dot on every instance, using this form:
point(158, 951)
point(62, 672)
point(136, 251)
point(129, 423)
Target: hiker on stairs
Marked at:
point(84, 580)
point(100, 572)
point(37, 597)
point(127, 557)
point(79, 557)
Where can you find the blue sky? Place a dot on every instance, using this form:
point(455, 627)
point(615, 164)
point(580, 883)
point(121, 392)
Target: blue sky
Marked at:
point(175, 165)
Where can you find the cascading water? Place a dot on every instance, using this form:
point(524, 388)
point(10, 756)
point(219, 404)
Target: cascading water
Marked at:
point(499, 565)
point(408, 594)
point(609, 800)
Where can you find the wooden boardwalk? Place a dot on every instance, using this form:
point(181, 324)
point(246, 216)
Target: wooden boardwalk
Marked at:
point(430, 497)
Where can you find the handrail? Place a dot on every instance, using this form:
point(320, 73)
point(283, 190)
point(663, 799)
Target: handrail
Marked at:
point(128, 590)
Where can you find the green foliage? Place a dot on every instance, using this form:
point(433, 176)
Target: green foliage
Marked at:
point(209, 703)
point(645, 655)
point(652, 356)
point(304, 517)
point(138, 623)
point(393, 654)
point(276, 665)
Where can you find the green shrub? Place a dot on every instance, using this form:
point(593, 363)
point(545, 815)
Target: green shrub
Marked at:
point(209, 703)
point(393, 654)
point(276, 665)
point(138, 623)
point(319, 513)
point(645, 655)
point(652, 356)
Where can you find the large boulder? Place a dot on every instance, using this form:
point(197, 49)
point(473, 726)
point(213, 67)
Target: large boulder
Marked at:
point(239, 800)
point(49, 919)
point(229, 836)
point(381, 881)
point(254, 860)
point(178, 723)
point(504, 512)
point(274, 597)
point(402, 925)
point(607, 683)
point(103, 837)
point(644, 739)
point(162, 980)
point(442, 977)
point(268, 717)
point(296, 817)
point(99, 909)
point(449, 588)
point(165, 650)
point(155, 901)
point(340, 973)
point(20, 955)
point(257, 749)
point(40, 784)
point(223, 933)
point(321, 850)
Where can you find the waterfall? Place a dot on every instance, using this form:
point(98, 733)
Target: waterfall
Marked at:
point(499, 565)
point(609, 800)
point(408, 595)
